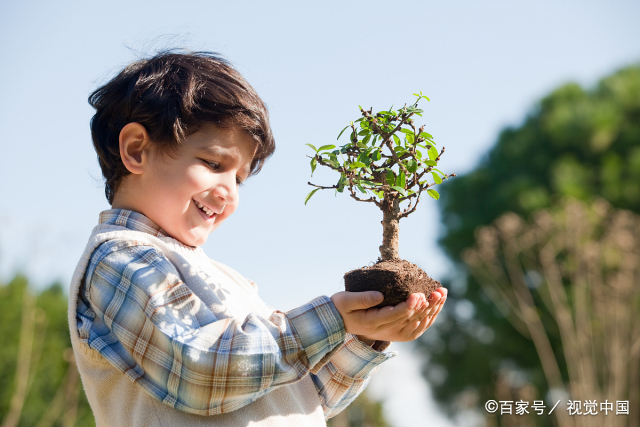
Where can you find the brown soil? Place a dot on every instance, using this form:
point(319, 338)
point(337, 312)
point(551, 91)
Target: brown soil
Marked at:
point(395, 278)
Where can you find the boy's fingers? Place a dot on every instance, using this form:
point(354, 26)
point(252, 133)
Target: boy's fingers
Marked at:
point(416, 299)
point(432, 316)
point(352, 301)
point(388, 317)
point(436, 296)
point(421, 312)
point(367, 299)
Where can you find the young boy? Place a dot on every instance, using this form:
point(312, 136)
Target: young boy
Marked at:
point(163, 335)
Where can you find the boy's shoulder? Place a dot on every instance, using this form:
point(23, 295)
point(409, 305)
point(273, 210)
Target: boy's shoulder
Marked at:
point(132, 257)
point(122, 236)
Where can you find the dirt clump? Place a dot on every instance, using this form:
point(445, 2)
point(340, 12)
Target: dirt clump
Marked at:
point(395, 278)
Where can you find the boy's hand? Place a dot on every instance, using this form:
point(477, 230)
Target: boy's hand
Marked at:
point(403, 322)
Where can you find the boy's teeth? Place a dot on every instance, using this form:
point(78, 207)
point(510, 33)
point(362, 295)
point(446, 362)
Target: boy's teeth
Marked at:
point(204, 208)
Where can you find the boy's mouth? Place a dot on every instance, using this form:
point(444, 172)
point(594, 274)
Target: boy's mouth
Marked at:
point(208, 212)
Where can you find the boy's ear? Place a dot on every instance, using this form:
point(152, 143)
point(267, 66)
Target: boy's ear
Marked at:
point(134, 147)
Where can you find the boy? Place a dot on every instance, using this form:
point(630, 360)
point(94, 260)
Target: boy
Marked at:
point(164, 336)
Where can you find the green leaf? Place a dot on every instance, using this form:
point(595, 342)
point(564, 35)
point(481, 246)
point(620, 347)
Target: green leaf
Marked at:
point(436, 178)
point(364, 158)
point(396, 139)
point(367, 182)
point(431, 163)
point(391, 179)
point(345, 128)
point(312, 146)
point(441, 173)
point(434, 194)
point(410, 138)
point(412, 165)
point(326, 148)
point(400, 150)
point(309, 196)
point(376, 155)
point(314, 163)
point(426, 135)
point(362, 190)
point(418, 154)
point(358, 165)
point(363, 132)
point(401, 180)
point(433, 153)
point(366, 139)
point(400, 190)
point(380, 194)
point(341, 183)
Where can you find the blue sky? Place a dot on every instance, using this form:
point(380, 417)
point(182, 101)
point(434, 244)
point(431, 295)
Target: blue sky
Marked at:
point(483, 63)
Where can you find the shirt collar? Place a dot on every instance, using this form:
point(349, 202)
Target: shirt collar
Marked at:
point(131, 220)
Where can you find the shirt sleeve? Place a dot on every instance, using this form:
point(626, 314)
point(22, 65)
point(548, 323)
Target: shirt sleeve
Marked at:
point(146, 322)
point(347, 373)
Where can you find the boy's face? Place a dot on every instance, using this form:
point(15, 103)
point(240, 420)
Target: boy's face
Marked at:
point(189, 194)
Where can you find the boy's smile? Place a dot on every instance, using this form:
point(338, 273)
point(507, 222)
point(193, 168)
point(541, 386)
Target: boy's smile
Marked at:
point(188, 193)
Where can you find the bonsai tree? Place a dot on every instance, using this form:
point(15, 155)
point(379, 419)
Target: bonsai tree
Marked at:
point(388, 161)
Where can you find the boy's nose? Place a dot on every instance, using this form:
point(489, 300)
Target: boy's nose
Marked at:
point(227, 190)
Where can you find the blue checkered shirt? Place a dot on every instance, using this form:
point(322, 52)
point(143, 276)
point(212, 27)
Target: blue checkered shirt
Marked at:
point(135, 310)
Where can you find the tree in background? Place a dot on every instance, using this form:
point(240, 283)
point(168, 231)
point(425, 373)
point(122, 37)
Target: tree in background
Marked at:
point(576, 142)
point(362, 412)
point(573, 272)
point(40, 383)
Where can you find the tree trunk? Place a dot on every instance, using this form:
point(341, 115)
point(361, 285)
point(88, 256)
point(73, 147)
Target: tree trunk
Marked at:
point(390, 228)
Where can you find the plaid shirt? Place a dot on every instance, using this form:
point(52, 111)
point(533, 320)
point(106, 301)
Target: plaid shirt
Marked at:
point(135, 310)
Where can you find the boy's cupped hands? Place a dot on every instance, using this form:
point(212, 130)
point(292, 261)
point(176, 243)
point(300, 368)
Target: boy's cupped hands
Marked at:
point(403, 322)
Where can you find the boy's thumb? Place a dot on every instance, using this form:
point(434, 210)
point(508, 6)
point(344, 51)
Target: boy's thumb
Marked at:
point(370, 298)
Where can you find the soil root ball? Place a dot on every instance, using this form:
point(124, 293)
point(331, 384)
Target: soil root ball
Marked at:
point(395, 278)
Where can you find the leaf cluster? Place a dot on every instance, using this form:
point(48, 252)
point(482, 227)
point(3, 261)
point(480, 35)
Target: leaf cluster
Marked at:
point(387, 157)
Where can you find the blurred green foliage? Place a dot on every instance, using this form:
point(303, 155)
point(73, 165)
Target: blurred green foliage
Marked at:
point(575, 142)
point(363, 412)
point(49, 359)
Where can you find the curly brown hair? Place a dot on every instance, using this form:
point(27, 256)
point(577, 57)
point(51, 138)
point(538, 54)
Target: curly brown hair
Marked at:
point(173, 94)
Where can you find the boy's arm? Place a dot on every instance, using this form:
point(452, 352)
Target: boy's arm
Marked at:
point(348, 371)
point(141, 317)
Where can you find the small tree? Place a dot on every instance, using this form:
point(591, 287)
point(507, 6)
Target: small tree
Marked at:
point(387, 161)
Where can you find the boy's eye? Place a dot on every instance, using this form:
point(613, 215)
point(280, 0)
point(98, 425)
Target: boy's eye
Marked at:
point(213, 165)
